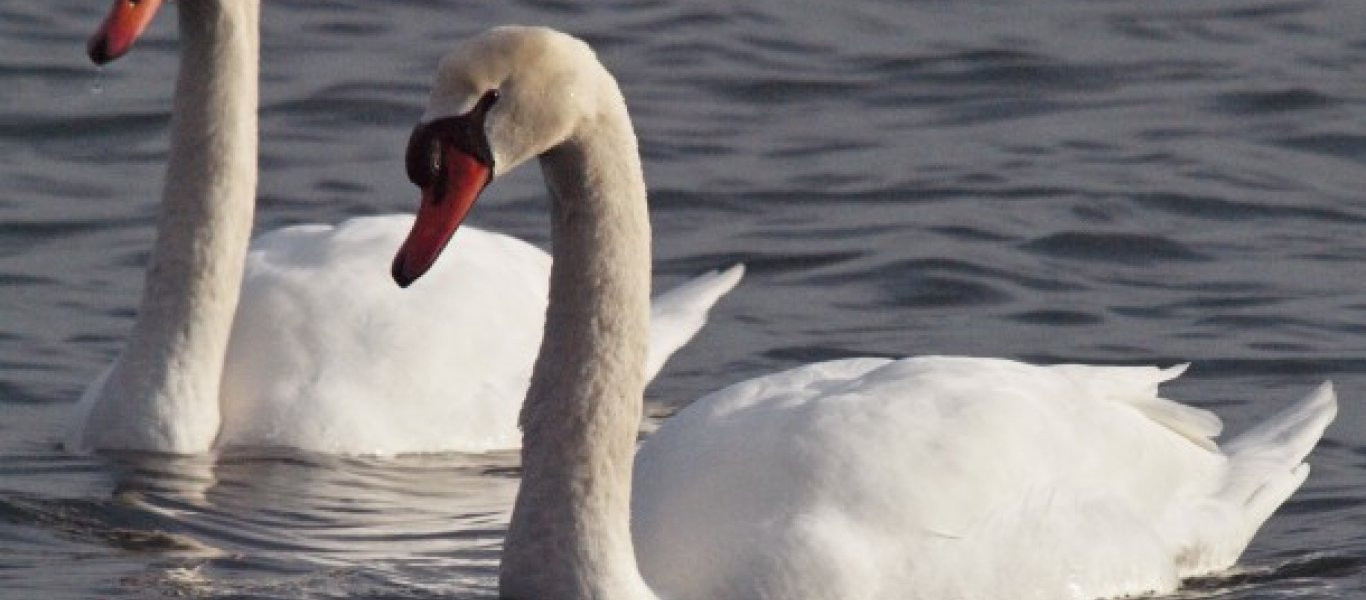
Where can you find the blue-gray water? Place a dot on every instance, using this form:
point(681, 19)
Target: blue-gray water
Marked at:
point(1055, 180)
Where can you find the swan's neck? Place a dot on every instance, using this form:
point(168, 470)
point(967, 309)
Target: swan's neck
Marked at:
point(163, 392)
point(570, 534)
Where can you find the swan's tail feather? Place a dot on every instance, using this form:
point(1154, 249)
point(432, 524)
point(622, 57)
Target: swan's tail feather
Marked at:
point(678, 314)
point(1293, 431)
point(1266, 465)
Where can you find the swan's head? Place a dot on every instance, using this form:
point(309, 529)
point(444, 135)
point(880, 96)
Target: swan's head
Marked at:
point(500, 98)
point(126, 21)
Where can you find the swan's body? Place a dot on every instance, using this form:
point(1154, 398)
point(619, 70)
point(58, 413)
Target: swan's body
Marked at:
point(320, 353)
point(925, 478)
point(938, 477)
point(417, 376)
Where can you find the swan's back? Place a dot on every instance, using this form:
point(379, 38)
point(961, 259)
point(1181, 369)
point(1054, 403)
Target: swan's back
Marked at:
point(939, 478)
point(328, 355)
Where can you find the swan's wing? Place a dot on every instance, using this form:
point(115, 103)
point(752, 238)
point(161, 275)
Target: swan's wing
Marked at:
point(328, 354)
point(678, 314)
point(1137, 387)
point(941, 475)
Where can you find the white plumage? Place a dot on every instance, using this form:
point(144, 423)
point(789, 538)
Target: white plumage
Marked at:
point(300, 339)
point(930, 478)
point(328, 355)
point(939, 477)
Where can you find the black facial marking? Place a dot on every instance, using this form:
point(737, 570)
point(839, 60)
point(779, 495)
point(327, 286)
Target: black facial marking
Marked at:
point(427, 144)
point(415, 159)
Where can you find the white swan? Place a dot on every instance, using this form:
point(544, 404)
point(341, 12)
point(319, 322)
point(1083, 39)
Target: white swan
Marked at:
point(929, 477)
point(322, 353)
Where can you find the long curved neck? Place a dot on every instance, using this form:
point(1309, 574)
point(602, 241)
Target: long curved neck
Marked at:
point(163, 392)
point(570, 533)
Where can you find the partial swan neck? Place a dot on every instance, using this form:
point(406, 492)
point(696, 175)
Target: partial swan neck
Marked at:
point(163, 392)
point(570, 532)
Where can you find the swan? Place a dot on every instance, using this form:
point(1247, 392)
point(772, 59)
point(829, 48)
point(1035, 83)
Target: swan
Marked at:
point(311, 354)
point(927, 477)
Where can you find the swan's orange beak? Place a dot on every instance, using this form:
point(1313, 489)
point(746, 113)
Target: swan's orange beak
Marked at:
point(445, 203)
point(126, 21)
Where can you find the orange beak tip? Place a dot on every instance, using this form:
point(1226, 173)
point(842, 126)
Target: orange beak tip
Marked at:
point(121, 28)
point(97, 51)
point(400, 272)
point(439, 215)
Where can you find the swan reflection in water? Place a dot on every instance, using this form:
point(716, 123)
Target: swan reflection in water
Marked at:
point(308, 515)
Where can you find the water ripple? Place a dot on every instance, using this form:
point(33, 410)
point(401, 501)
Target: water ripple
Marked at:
point(1119, 248)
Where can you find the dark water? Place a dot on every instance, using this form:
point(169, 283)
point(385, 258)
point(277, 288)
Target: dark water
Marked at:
point(1056, 180)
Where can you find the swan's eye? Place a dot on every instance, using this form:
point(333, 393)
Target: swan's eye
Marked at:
point(486, 101)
